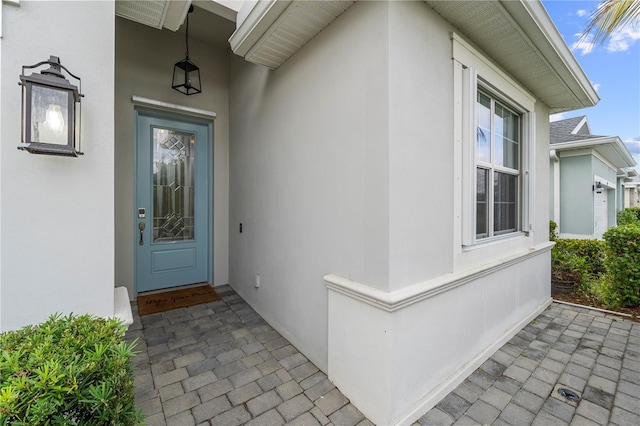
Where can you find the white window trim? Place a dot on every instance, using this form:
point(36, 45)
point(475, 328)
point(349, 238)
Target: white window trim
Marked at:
point(471, 68)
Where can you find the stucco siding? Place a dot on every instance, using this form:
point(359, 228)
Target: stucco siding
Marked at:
point(420, 144)
point(310, 177)
point(144, 63)
point(352, 173)
point(57, 212)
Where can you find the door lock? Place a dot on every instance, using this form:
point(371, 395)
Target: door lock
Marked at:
point(141, 226)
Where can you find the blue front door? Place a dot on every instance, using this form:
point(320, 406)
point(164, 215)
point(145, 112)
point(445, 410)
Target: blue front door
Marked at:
point(172, 201)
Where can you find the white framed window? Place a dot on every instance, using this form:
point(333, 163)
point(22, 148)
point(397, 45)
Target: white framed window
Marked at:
point(497, 166)
point(495, 123)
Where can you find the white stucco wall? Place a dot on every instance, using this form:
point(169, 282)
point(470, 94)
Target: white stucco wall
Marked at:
point(309, 175)
point(56, 214)
point(144, 66)
point(343, 163)
point(420, 144)
point(448, 308)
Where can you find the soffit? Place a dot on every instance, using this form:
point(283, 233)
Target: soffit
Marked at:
point(521, 38)
point(272, 31)
point(516, 34)
point(154, 13)
point(211, 21)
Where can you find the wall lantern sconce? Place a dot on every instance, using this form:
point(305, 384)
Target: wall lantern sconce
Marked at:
point(598, 188)
point(50, 110)
point(186, 75)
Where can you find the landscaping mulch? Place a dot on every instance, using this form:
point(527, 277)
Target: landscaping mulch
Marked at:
point(581, 299)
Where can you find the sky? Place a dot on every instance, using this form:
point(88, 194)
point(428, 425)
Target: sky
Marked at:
point(613, 67)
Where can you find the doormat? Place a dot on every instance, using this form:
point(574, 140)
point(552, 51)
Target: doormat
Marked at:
point(174, 299)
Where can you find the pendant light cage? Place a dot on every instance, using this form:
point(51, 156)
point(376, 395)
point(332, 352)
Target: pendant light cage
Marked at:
point(186, 74)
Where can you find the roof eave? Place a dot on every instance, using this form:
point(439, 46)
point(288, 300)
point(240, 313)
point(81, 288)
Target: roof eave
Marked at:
point(624, 156)
point(537, 24)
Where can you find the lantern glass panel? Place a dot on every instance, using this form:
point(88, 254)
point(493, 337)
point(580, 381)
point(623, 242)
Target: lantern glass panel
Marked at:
point(49, 115)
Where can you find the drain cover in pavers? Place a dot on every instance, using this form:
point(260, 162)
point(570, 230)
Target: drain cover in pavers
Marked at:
point(566, 394)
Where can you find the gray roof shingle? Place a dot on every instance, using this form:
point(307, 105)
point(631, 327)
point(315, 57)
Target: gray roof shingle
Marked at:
point(560, 131)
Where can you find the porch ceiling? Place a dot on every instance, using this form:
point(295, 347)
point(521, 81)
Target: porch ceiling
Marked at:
point(211, 21)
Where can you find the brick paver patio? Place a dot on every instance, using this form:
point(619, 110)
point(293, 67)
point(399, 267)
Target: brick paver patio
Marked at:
point(220, 363)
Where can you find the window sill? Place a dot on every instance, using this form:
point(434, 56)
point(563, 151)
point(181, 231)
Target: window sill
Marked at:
point(487, 242)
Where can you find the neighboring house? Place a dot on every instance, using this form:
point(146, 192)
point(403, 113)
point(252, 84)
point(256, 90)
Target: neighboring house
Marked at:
point(587, 175)
point(380, 169)
point(630, 184)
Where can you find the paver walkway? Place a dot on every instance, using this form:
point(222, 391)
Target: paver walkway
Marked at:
point(595, 355)
point(220, 363)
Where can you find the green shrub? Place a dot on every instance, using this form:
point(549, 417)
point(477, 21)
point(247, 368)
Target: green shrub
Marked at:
point(566, 266)
point(628, 216)
point(635, 210)
point(553, 231)
point(623, 266)
point(67, 371)
point(592, 251)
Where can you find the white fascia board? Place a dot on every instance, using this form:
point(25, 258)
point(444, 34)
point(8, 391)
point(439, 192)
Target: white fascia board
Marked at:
point(534, 20)
point(175, 14)
point(613, 141)
point(579, 126)
point(226, 9)
point(254, 19)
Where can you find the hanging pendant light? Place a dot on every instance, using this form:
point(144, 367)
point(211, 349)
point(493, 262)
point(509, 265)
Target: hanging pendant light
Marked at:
point(186, 75)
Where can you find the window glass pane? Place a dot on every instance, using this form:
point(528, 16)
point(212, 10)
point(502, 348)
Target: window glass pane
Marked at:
point(505, 203)
point(173, 185)
point(483, 132)
point(507, 136)
point(482, 203)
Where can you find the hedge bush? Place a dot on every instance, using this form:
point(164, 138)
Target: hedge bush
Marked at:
point(623, 265)
point(67, 371)
point(628, 216)
point(592, 251)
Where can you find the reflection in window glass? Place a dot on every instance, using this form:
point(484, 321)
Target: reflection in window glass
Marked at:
point(482, 203)
point(497, 164)
point(505, 201)
point(483, 132)
point(506, 134)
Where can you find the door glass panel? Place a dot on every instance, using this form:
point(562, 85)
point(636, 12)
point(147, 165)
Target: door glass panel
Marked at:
point(173, 185)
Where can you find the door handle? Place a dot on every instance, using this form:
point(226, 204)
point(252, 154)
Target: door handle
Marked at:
point(141, 226)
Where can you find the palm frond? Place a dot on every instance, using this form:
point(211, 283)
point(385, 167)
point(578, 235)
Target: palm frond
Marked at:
point(609, 16)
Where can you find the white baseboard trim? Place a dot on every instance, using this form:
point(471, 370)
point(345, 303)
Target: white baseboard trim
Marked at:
point(436, 395)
